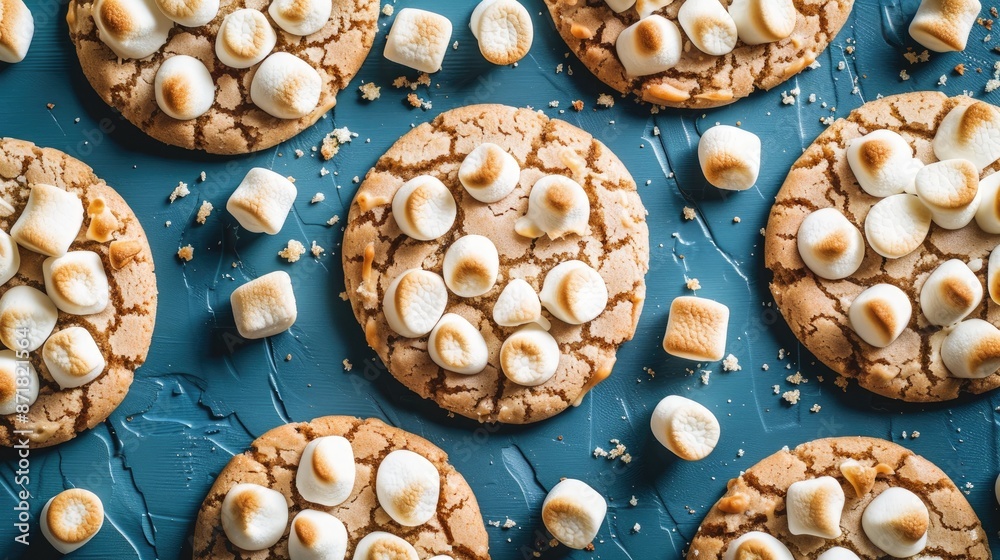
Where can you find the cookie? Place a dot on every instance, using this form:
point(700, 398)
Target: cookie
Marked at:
point(756, 501)
point(232, 123)
point(591, 30)
point(122, 331)
point(273, 461)
point(615, 243)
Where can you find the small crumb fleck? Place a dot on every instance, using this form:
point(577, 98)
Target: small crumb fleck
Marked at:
point(689, 213)
point(796, 378)
point(333, 220)
point(508, 524)
point(370, 91)
point(960, 69)
point(633, 502)
point(316, 250)
point(288, 357)
point(605, 100)
point(292, 251)
point(334, 140)
point(347, 365)
point(50, 106)
point(318, 197)
point(299, 153)
point(203, 177)
point(943, 80)
point(578, 105)
point(914, 435)
point(815, 408)
point(792, 397)
point(180, 191)
point(636, 528)
point(186, 253)
point(731, 363)
point(693, 284)
point(387, 10)
point(204, 212)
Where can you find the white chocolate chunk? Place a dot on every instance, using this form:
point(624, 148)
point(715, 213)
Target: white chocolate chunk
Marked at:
point(503, 29)
point(972, 350)
point(418, 39)
point(262, 200)
point(944, 25)
point(384, 546)
point(27, 317)
point(77, 282)
point(489, 173)
point(950, 293)
point(18, 28)
point(992, 275)
point(254, 517)
point(301, 17)
point(50, 221)
point(414, 302)
point(574, 292)
point(950, 190)
point(189, 13)
point(988, 213)
point(530, 356)
point(471, 265)
point(245, 38)
point(131, 28)
point(316, 535)
point(649, 46)
point(883, 163)
point(424, 208)
point(184, 88)
point(813, 507)
point(897, 225)
point(286, 87)
point(326, 471)
point(897, 521)
point(10, 257)
point(685, 427)
point(838, 553)
point(18, 383)
point(757, 545)
point(763, 21)
point(264, 306)
point(729, 157)
point(696, 329)
point(557, 206)
point(72, 357)
point(456, 345)
point(517, 305)
point(830, 245)
point(879, 314)
point(709, 26)
point(969, 132)
point(408, 487)
point(71, 518)
point(574, 512)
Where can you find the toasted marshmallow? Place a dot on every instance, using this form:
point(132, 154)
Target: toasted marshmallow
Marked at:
point(557, 206)
point(254, 517)
point(620, 6)
point(574, 512)
point(245, 38)
point(317, 535)
point(326, 471)
point(503, 29)
point(418, 39)
point(72, 357)
point(489, 173)
point(301, 17)
point(414, 302)
point(530, 356)
point(969, 132)
point(838, 553)
point(517, 305)
point(686, 428)
point(950, 190)
point(18, 383)
point(992, 276)
point(950, 293)
point(471, 265)
point(649, 46)
point(384, 546)
point(131, 28)
point(883, 163)
point(441, 557)
point(646, 7)
point(757, 545)
point(813, 507)
point(709, 26)
point(262, 201)
point(408, 487)
point(879, 314)
point(862, 477)
point(286, 87)
point(423, 207)
point(988, 213)
point(830, 245)
point(184, 88)
point(972, 349)
point(996, 489)
point(763, 21)
point(18, 28)
point(897, 521)
point(944, 25)
point(574, 292)
point(189, 13)
point(696, 329)
point(71, 518)
point(10, 257)
point(729, 157)
point(50, 221)
point(264, 306)
point(76, 282)
point(27, 317)
point(456, 345)
point(897, 225)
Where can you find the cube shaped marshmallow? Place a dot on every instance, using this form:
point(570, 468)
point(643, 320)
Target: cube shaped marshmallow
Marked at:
point(696, 329)
point(418, 39)
point(50, 221)
point(265, 306)
point(262, 201)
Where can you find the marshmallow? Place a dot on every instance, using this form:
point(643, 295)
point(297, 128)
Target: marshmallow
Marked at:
point(262, 201)
point(456, 345)
point(18, 28)
point(189, 13)
point(944, 25)
point(620, 6)
point(879, 314)
point(862, 477)
point(489, 173)
point(50, 221)
point(996, 489)
point(972, 350)
point(184, 88)
point(408, 487)
point(897, 521)
point(264, 306)
point(729, 157)
point(471, 265)
point(883, 163)
point(76, 282)
point(326, 471)
point(517, 305)
point(896, 225)
point(574, 512)
point(72, 357)
point(992, 275)
point(813, 507)
point(10, 257)
point(503, 29)
point(574, 292)
point(757, 545)
point(647, 7)
point(557, 206)
point(830, 245)
point(245, 38)
point(384, 546)
point(286, 87)
point(317, 535)
point(23, 308)
point(649, 46)
point(696, 329)
point(686, 428)
point(530, 356)
point(988, 213)
point(71, 518)
point(838, 553)
point(18, 383)
point(414, 302)
point(418, 39)
point(301, 17)
point(763, 21)
point(103, 223)
point(254, 517)
point(441, 557)
point(969, 132)
point(950, 190)
point(950, 293)
point(709, 26)
point(131, 28)
point(423, 207)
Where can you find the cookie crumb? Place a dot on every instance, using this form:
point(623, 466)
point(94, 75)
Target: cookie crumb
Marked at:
point(633, 502)
point(204, 212)
point(914, 434)
point(943, 80)
point(180, 191)
point(508, 524)
point(692, 284)
point(50, 106)
point(292, 251)
point(387, 10)
point(334, 140)
point(316, 250)
point(186, 253)
point(318, 197)
point(796, 378)
point(370, 91)
point(841, 382)
point(792, 397)
point(333, 220)
point(578, 105)
point(348, 366)
point(705, 375)
point(731, 363)
point(605, 100)
point(288, 357)
point(689, 213)
point(815, 408)
point(960, 69)
point(299, 153)
point(636, 528)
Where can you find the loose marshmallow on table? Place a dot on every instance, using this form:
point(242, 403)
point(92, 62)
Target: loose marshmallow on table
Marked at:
point(574, 512)
point(557, 206)
point(408, 487)
point(18, 28)
point(10, 257)
point(709, 26)
point(18, 383)
point(254, 517)
point(649, 46)
point(326, 471)
point(264, 306)
point(301, 17)
point(262, 200)
point(944, 25)
point(950, 293)
point(729, 157)
point(883, 163)
point(879, 314)
point(456, 345)
point(685, 427)
point(756, 544)
point(244, 38)
point(489, 173)
point(972, 349)
point(418, 39)
point(424, 208)
point(286, 87)
point(969, 132)
point(503, 29)
point(838, 553)
point(896, 521)
point(131, 28)
point(414, 302)
point(384, 546)
point(763, 21)
point(896, 225)
point(189, 13)
point(950, 190)
point(71, 518)
point(830, 245)
point(518, 304)
point(471, 265)
point(184, 88)
point(988, 213)
point(316, 535)
point(27, 317)
point(50, 221)
point(77, 282)
point(696, 329)
point(813, 507)
point(992, 275)
point(574, 292)
point(72, 357)
point(530, 356)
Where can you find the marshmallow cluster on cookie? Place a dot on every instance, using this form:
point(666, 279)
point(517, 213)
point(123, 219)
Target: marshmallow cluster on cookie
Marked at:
point(132, 29)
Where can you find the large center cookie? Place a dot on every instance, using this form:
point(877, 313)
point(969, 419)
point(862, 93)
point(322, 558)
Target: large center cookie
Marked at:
point(614, 242)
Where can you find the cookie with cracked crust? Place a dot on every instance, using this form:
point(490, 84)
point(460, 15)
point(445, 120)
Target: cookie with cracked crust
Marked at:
point(376, 251)
point(456, 528)
point(755, 501)
point(233, 124)
point(698, 80)
point(122, 331)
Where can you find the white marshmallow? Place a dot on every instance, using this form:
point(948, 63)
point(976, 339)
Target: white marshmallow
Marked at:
point(992, 275)
point(503, 29)
point(517, 305)
point(696, 329)
point(18, 28)
point(830, 245)
point(879, 314)
point(189, 13)
point(301, 17)
point(685, 427)
point(72, 357)
point(441, 557)
point(763, 21)
point(414, 302)
point(384, 546)
point(897, 225)
point(988, 213)
point(317, 535)
point(326, 471)
point(408, 487)
point(646, 7)
point(649, 46)
point(489, 173)
point(969, 132)
point(254, 517)
point(18, 383)
point(756, 544)
point(131, 28)
point(950, 293)
point(838, 553)
point(25, 308)
point(574, 512)
point(424, 208)
point(184, 88)
point(709, 26)
point(245, 38)
point(456, 345)
point(574, 292)
point(620, 6)
point(264, 306)
point(50, 221)
point(944, 25)
point(729, 157)
point(972, 350)
point(71, 518)
point(996, 489)
point(10, 257)
point(262, 200)
point(950, 190)
point(76, 282)
point(286, 87)
point(813, 507)
point(896, 521)
point(471, 265)
point(557, 206)
point(530, 356)
point(883, 163)
point(418, 39)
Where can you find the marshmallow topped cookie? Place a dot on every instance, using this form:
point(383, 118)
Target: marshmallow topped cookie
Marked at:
point(842, 499)
point(393, 474)
point(525, 275)
point(82, 300)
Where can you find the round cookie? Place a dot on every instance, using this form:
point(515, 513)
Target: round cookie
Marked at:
point(955, 531)
point(122, 331)
point(591, 28)
point(233, 124)
point(816, 309)
point(617, 247)
point(456, 529)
